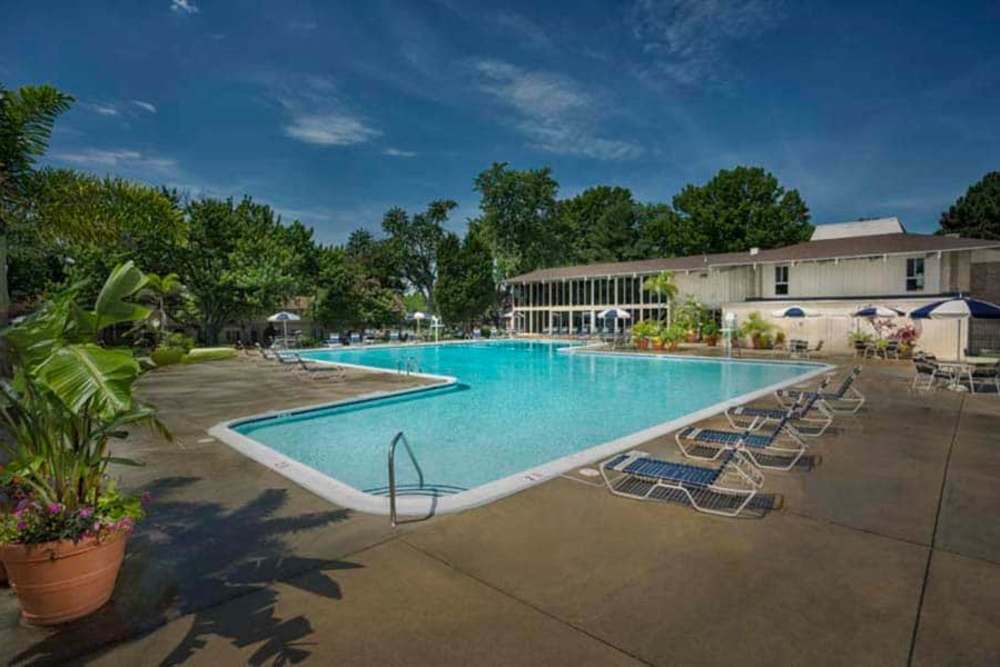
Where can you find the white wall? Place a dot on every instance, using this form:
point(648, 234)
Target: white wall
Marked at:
point(852, 277)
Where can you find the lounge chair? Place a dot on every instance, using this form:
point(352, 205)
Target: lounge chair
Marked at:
point(736, 479)
point(810, 416)
point(985, 376)
point(926, 374)
point(318, 373)
point(845, 399)
point(756, 446)
point(355, 338)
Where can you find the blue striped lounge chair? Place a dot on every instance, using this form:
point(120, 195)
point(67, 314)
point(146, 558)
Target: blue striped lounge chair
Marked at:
point(736, 480)
point(845, 399)
point(782, 448)
point(811, 417)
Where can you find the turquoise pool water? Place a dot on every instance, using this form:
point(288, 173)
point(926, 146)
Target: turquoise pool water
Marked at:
point(517, 405)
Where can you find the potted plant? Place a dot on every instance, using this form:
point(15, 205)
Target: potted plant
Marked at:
point(710, 333)
point(64, 541)
point(673, 335)
point(758, 330)
point(642, 332)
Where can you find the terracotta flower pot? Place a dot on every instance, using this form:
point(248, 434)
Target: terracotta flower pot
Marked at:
point(657, 344)
point(57, 582)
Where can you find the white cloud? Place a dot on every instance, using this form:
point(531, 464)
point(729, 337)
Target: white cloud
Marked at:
point(183, 7)
point(145, 106)
point(120, 158)
point(686, 38)
point(398, 152)
point(330, 129)
point(102, 109)
point(557, 114)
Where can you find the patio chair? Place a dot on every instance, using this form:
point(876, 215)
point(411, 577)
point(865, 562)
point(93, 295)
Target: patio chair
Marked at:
point(810, 418)
point(926, 371)
point(988, 376)
point(755, 445)
point(318, 372)
point(639, 476)
point(891, 349)
point(845, 399)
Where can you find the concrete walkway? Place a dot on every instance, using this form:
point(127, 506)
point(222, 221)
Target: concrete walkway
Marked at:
point(886, 553)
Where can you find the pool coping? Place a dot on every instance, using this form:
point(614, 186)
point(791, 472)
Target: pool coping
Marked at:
point(340, 493)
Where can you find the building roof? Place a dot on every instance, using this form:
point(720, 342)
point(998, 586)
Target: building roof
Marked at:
point(840, 230)
point(827, 249)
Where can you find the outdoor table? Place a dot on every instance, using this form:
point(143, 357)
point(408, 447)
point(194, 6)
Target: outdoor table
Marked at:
point(957, 370)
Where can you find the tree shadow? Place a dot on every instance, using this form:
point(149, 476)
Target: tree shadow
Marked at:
point(191, 557)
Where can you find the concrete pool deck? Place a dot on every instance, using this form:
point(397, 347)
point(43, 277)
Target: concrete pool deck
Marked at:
point(887, 552)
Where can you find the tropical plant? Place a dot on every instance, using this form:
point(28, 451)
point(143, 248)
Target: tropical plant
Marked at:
point(27, 116)
point(691, 314)
point(160, 290)
point(663, 285)
point(68, 399)
point(758, 330)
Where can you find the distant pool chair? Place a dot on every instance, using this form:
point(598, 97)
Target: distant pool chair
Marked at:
point(755, 446)
point(988, 376)
point(810, 416)
point(639, 476)
point(318, 373)
point(844, 400)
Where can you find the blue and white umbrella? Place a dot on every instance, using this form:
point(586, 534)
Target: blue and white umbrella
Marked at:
point(958, 309)
point(614, 314)
point(794, 311)
point(284, 317)
point(878, 311)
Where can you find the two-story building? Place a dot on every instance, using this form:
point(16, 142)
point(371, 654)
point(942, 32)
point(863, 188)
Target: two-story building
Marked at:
point(843, 267)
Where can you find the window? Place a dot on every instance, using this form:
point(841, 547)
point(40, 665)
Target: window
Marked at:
point(781, 280)
point(914, 274)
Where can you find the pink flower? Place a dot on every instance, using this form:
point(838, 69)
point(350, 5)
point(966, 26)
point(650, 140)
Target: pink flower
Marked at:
point(55, 508)
point(86, 512)
point(21, 525)
point(22, 506)
point(147, 498)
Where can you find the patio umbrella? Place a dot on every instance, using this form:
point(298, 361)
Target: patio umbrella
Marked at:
point(418, 316)
point(614, 314)
point(284, 317)
point(436, 325)
point(794, 311)
point(958, 309)
point(871, 311)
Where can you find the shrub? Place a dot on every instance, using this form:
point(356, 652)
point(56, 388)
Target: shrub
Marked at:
point(166, 356)
point(178, 340)
point(201, 354)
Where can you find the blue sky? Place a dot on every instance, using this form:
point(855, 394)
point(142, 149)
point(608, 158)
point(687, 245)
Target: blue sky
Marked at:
point(334, 112)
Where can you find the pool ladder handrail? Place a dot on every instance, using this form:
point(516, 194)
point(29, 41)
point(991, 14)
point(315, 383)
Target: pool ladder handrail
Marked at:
point(407, 365)
point(392, 472)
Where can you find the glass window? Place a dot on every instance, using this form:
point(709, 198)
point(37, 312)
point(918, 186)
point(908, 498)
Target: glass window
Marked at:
point(914, 274)
point(781, 280)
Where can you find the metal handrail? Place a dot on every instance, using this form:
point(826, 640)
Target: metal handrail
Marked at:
point(392, 472)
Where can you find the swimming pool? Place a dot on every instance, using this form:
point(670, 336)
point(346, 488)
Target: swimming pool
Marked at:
point(504, 416)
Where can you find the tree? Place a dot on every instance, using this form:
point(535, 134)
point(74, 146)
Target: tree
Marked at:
point(518, 221)
point(465, 289)
point(161, 290)
point(739, 209)
point(350, 299)
point(127, 221)
point(238, 263)
point(600, 225)
point(27, 116)
point(374, 258)
point(415, 244)
point(976, 214)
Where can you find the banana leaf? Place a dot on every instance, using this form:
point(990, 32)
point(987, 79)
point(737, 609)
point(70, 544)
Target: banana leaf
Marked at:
point(89, 377)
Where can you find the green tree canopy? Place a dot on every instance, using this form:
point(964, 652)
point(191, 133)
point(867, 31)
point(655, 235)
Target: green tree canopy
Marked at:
point(465, 289)
point(601, 224)
point(27, 116)
point(349, 298)
point(414, 242)
point(238, 264)
point(518, 219)
point(976, 214)
point(739, 209)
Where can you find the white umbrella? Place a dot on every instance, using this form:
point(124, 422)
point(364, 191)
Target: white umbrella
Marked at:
point(958, 309)
point(418, 316)
point(284, 317)
point(614, 313)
